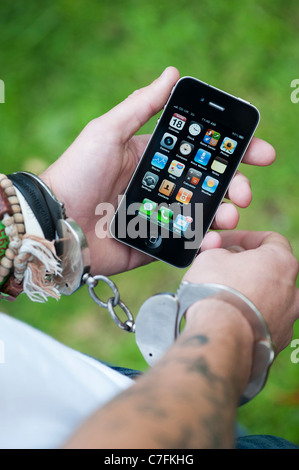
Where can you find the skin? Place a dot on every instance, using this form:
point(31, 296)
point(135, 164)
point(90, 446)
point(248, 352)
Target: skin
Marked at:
point(98, 165)
point(189, 399)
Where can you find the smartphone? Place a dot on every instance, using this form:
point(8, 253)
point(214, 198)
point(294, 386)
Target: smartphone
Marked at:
point(184, 173)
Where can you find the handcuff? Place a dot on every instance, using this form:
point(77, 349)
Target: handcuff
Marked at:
point(159, 319)
point(158, 322)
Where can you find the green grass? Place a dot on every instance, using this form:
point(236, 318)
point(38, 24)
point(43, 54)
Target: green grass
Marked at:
point(66, 62)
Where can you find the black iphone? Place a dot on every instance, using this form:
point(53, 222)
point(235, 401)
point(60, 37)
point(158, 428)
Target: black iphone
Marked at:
point(185, 172)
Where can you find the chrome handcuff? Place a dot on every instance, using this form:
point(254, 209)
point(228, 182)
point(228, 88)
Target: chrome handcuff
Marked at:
point(158, 321)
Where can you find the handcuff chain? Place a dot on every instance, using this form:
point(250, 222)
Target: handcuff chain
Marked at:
point(112, 302)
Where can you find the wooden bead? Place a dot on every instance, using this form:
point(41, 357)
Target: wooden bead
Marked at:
point(13, 200)
point(10, 254)
point(4, 271)
point(6, 183)
point(21, 229)
point(18, 218)
point(5, 206)
point(16, 208)
point(10, 191)
point(6, 263)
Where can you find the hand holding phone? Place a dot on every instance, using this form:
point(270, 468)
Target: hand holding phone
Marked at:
point(99, 164)
point(185, 172)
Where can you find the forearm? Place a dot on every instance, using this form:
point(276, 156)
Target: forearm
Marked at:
point(189, 399)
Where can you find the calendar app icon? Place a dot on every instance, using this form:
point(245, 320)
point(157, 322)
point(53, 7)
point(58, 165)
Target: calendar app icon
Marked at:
point(177, 121)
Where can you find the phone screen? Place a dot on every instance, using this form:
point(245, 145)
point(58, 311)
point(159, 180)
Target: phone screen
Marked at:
point(185, 171)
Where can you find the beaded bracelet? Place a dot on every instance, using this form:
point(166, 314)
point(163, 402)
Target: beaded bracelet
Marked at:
point(13, 226)
point(30, 262)
point(10, 192)
point(5, 208)
point(4, 244)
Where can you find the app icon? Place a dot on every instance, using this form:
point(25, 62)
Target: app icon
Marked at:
point(228, 145)
point(167, 188)
point(184, 195)
point(212, 137)
point(219, 165)
point(185, 148)
point(195, 128)
point(177, 121)
point(150, 179)
point(164, 215)
point(147, 207)
point(202, 157)
point(159, 160)
point(193, 176)
point(210, 184)
point(176, 168)
point(168, 141)
point(182, 222)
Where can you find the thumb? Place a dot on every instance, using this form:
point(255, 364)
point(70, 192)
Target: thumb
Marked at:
point(130, 115)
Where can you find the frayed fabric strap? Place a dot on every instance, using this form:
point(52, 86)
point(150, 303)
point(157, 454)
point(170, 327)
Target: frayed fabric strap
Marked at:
point(37, 264)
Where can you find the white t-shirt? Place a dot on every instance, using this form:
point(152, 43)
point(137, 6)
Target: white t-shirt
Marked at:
point(47, 389)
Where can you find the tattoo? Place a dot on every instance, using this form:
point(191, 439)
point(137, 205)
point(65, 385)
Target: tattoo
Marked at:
point(196, 340)
point(212, 419)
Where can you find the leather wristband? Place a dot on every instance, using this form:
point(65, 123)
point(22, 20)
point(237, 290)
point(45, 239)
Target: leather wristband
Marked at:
point(34, 197)
point(55, 207)
point(45, 207)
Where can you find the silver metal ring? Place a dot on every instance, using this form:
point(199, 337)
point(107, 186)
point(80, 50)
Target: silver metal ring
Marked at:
point(92, 282)
point(129, 324)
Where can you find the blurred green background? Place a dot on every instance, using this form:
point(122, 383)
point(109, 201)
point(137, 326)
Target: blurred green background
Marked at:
point(66, 62)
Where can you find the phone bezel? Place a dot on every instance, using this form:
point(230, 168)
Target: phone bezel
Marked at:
point(192, 94)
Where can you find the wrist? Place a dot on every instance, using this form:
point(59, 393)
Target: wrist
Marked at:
point(230, 333)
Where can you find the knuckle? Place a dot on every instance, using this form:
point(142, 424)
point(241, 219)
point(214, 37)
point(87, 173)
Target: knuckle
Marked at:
point(294, 264)
point(136, 93)
point(97, 128)
point(91, 126)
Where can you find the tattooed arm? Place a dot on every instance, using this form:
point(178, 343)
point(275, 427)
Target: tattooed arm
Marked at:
point(189, 399)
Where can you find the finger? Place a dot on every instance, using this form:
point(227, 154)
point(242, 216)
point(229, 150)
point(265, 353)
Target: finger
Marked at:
point(226, 218)
point(211, 240)
point(250, 240)
point(276, 240)
point(259, 153)
point(281, 250)
point(239, 191)
point(130, 115)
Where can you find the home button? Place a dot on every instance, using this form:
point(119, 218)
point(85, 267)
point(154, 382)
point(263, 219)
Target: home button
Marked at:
point(153, 241)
